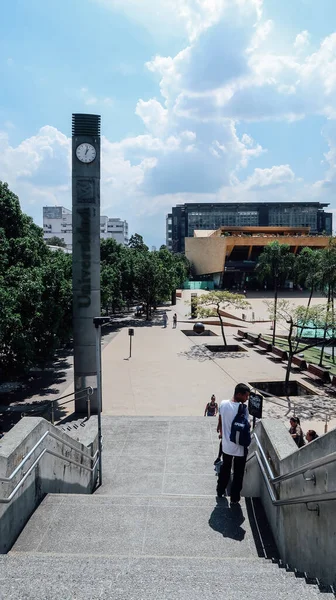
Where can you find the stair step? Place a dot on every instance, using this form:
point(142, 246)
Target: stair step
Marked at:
point(157, 525)
point(154, 530)
point(90, 577)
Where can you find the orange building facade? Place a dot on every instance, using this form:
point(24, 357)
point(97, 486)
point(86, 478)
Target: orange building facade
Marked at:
point(228, 255)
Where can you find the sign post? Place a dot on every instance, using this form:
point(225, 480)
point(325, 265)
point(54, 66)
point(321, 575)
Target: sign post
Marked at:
point(255, 406)
point(131, 335)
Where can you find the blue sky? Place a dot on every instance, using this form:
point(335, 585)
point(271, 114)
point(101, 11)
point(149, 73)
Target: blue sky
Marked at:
point(207, 100)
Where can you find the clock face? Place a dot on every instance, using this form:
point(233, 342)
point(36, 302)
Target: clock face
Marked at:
point(86, 153)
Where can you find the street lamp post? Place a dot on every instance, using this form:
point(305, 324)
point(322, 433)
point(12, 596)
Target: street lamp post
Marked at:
point(98, 322)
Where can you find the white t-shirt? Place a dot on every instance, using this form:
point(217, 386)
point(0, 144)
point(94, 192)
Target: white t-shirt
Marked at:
point(228, 410)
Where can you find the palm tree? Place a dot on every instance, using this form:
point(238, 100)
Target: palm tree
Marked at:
point(307, 267)
point(276, 264)
point(327, 284)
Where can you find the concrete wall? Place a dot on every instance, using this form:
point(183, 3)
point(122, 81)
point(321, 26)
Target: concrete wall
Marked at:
point(306, 540)
point(51, 474)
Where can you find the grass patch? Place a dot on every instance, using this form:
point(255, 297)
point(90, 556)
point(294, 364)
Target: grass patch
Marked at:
point(312, 355)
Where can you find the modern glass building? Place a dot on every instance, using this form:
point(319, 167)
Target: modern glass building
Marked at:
point(186, 218)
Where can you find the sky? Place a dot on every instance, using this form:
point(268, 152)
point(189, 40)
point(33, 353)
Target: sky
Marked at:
point(201, 101)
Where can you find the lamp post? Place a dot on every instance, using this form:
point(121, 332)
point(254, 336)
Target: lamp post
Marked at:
point(98, 322)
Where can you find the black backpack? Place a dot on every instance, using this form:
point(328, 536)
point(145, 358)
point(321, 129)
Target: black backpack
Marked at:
point(240, 428)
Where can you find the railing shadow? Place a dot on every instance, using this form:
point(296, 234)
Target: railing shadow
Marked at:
point(261, 531)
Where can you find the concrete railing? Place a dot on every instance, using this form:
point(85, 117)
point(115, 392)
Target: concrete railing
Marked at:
point(305, 532)
point(37, 458)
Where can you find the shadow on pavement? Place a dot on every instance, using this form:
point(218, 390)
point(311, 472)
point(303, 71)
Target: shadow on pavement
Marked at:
point(227, 521)
point(201, 353)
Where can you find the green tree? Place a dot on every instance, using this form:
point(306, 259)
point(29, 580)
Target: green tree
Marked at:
point(327, 284)
point(148, 279)
point(35, 291)
point(275, 264)
point(136, 242)
point(307, 268)
point(56, 241)
point(293, 317)
point(110, 279)
point(213, 303)
point(117, 278)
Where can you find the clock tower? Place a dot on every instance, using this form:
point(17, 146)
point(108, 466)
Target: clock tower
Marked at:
point(85, 251)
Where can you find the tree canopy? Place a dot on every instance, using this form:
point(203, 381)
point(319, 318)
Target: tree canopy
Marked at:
point(275, 264)
point(35, 291)
point(211, 304)
point(56, 241)
point(133, 274)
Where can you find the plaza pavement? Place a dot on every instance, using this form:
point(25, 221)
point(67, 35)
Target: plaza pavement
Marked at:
point(170, 374)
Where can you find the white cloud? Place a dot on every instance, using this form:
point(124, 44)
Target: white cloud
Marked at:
point(262, 32)
point(175, 17)
point(302, 41)
point(90, 99)
point(275, 176)
point(153, 114)
point(229, 72)
point(44, 157)
point(327, 185)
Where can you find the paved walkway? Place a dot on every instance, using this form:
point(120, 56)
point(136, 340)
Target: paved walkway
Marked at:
point(170, 374)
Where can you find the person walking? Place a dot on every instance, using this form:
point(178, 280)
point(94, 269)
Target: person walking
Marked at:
point(296, 431)
point(165, 319)
point(229, 411)
point(211, 408)
point(174, 320)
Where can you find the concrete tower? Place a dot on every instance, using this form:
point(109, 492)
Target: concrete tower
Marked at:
point(85, 251)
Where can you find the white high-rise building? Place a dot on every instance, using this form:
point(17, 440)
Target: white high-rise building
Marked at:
point(114, 228)
point(57, 222)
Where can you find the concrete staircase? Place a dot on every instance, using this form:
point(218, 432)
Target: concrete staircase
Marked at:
point(153, 531)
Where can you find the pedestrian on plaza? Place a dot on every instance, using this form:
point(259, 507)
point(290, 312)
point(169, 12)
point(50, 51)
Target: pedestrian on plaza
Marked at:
point(174, 320)
point(232, 412)
point(211, 408)
point(165, 319)
point(296, 431)
point(311, 435)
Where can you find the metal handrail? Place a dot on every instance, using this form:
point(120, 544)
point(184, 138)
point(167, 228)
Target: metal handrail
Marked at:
point(88, 391)
point(46, 434)
point(26, 475)
point(271, 480)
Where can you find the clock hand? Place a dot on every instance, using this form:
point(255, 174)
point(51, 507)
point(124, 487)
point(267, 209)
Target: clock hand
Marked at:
point(87, 148)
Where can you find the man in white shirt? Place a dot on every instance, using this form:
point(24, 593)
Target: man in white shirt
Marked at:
point(232, 452)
